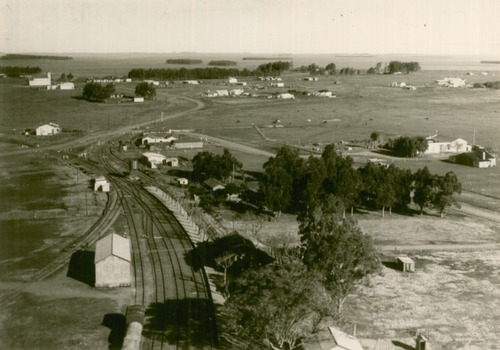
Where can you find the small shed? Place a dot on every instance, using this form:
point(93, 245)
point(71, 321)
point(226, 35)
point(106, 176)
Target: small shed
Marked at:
point(101, 184)
point(405, 263)
point(138, 99)
point(182, 181)
point(112, 262)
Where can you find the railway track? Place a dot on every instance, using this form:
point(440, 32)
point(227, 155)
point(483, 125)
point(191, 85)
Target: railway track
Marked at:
point(179, 308)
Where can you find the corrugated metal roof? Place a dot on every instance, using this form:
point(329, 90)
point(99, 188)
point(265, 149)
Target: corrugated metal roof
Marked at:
point(112, 244)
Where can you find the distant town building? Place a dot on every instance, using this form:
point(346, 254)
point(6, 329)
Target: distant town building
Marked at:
point(138, 99)
point(188, 145)
point(149, 139)
point(285, 96)
point(457, 145)
point(67, 86)
point(232, 80)
point(451, 82)
point(41, 82)
point(48, 129)
point(112, 262)
point(191, 82)
point(182, 181)
point(173, 162)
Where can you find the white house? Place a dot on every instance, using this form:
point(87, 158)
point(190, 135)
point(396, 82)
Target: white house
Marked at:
point(38, 82)
point(286, 96)
point(138, 99)
point(153, 159)
point(67, 86)
point(232, 80)
point(455, 146)
point(48, 129)
point(112, 262)
point(157, 139)
point(101, 184)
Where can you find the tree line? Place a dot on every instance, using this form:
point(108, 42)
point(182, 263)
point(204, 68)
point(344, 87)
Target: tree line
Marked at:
point(404, 67)
point(185, 73)
point(292, 184)
point(16, 72)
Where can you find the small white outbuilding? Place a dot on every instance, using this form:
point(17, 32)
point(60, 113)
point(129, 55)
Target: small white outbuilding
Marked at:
point(48, 129)
point(112, 262)
point(101, 184)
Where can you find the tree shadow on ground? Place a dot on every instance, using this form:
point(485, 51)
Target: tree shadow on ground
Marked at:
point(180, 173)
point(402, 345)
point(81, 267)
point(116, 323)
point(186, 323)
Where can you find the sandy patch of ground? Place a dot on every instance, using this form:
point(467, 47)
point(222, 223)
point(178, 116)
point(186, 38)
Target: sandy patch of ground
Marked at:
point(453, 297)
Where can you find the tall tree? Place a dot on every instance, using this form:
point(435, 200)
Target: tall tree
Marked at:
point(447, 185)
point(423, 188)
point(344, 258)
point(276, 306)
point(145, 90)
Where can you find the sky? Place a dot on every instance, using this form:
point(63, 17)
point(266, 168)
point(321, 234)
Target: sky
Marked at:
point(429, 27)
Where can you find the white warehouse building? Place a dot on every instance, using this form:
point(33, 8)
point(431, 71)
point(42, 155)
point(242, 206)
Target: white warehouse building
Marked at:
point(48, 129)
point(112, 262)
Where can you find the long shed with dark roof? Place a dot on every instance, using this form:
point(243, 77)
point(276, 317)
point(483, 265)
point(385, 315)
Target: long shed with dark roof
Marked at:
point(112, 262)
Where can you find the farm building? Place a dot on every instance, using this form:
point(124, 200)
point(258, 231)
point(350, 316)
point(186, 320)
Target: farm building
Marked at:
point(479, 158)
point(173, 162)
point(191, 82)
point(332, 338)
point(222, 93)
point(41, 82)
point(188, 145)
point(232, 80)
point(236, 92)
point(48, 129)
point(286, 96)
point(112, 262)
point(152, 160)
point(457, 145)
point(101, 184)
point(157, 139)
point(310, 79)
point(279, 84)
point(405, 263)
point(138, 99)
point(182, 181)
point(67, 86)
point(213, 184)
point(451, 82)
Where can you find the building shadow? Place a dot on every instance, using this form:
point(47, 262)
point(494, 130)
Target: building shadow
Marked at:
point(190, 322)
point(117, 324)
point(81, 267)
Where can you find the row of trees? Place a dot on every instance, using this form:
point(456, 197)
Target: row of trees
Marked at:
point(184, 73)
point(293, 184)
point(66, 77)
point(16, 72)
point(404, 67)
point(273, 68)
